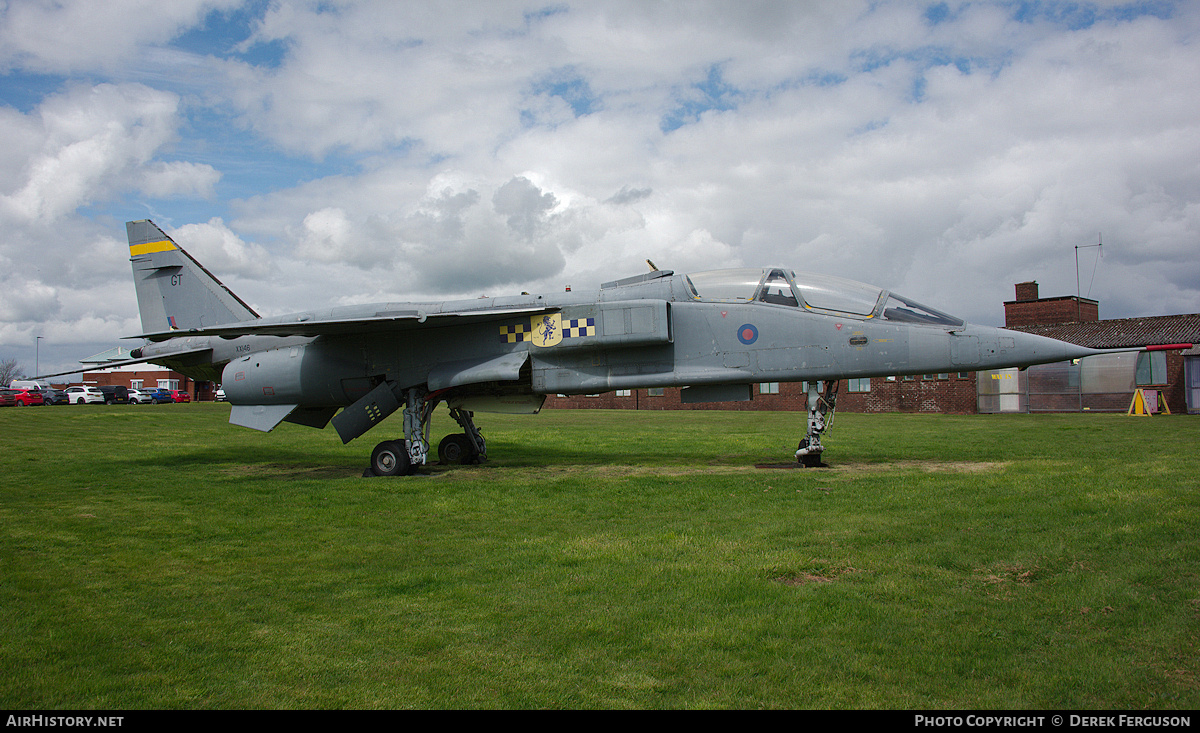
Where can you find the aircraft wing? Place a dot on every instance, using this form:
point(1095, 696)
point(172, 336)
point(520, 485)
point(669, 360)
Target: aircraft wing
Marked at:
point(197, 355)
point(314, 324)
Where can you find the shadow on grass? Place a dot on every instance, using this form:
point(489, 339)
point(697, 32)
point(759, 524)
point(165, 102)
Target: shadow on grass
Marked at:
point(293, 463)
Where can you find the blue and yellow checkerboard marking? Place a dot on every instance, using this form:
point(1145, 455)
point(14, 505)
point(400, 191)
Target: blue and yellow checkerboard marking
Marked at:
point(550, 333)
point(576, 327)
point(515, 334)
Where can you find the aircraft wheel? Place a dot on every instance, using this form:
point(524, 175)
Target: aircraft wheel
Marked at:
point(390, 458)
point(456, 448)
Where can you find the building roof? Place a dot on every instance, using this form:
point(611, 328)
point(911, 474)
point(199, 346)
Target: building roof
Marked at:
point(1123, 332)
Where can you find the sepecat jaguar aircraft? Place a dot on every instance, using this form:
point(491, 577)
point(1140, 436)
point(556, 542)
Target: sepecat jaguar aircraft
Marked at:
point(712, 333)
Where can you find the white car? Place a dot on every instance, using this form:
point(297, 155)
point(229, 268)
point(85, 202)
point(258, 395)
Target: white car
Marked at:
point(138, 397)
point(82, 395)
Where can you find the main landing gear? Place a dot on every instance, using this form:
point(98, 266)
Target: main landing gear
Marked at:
point(821, 403)
point(402, 457)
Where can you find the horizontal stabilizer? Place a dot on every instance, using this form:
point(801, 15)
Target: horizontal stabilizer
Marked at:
point(259, 417)
point(156, 359)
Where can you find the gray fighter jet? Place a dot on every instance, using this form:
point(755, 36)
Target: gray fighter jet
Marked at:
point(712, 333)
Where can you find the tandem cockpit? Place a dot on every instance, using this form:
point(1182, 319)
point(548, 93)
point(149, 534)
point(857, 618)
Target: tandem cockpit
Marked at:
point(813, 292)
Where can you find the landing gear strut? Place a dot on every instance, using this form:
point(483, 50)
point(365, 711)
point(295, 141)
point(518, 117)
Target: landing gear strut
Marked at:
point(402, 457)
point(821, 403)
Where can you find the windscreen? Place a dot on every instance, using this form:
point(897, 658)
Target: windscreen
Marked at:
point(899, 308)
point(825, 292)
point(777, 290)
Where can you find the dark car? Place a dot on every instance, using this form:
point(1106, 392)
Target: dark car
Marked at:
point(8, 397)
point(115, 395)
point(26, 397)
point(54, 397)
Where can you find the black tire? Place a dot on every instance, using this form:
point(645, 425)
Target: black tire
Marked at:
point(455, 449)
point(390, 458)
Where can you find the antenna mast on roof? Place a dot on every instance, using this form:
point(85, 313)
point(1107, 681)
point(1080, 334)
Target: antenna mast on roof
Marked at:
point(1078, 294)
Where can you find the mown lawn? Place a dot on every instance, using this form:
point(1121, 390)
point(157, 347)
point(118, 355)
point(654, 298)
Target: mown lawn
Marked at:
point(156, 557)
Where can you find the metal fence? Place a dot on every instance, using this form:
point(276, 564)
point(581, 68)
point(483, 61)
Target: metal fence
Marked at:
point(1103, 383)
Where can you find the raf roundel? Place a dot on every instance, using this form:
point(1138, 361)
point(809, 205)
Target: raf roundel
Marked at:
point(747, 333)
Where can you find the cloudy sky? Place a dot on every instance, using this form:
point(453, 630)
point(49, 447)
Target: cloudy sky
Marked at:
point(321, 153)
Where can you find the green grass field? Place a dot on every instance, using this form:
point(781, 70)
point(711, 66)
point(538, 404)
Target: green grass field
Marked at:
point(156, 557)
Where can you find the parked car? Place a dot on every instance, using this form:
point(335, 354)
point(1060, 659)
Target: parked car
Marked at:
point(8, 397)
point(26, 396)
point(54, 396)
point(221, 394)
point(179, 395)
point(161, 395)
point(139, 396)
point(29, 384)
point(84, 395)
point(115, 394)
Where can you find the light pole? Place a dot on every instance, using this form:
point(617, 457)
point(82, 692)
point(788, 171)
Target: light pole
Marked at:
point(37, 354)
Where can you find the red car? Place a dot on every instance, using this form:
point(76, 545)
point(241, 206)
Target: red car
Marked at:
point(180, 396)
point(8, 397)
point(27, 397)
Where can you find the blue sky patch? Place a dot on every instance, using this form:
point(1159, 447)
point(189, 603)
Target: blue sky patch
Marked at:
point(714, 93)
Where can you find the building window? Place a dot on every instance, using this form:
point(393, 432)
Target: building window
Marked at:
point(655, 392)
point(135, 383)
point(1151, 368)
point(859, 385)
point(768, 387)
point(171, 384)
point(624, 393)
point(964, 375)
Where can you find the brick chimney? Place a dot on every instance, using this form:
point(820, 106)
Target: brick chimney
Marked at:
point(1030, 310)
point(1027, 291)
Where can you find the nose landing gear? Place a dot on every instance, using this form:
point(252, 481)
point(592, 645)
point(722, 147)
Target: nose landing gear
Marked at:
point(821, 404)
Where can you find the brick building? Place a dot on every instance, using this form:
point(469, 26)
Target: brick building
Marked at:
point(952, 393)
point(141, 376)
point(1162, 368)
point(1029, 310)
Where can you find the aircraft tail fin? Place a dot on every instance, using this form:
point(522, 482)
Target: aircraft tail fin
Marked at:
point(174, 291)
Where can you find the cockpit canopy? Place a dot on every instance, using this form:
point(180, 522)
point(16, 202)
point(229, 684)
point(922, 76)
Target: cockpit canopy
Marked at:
point(818, 293)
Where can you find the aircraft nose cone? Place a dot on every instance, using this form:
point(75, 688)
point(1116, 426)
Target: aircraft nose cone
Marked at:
point(1028, 349)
